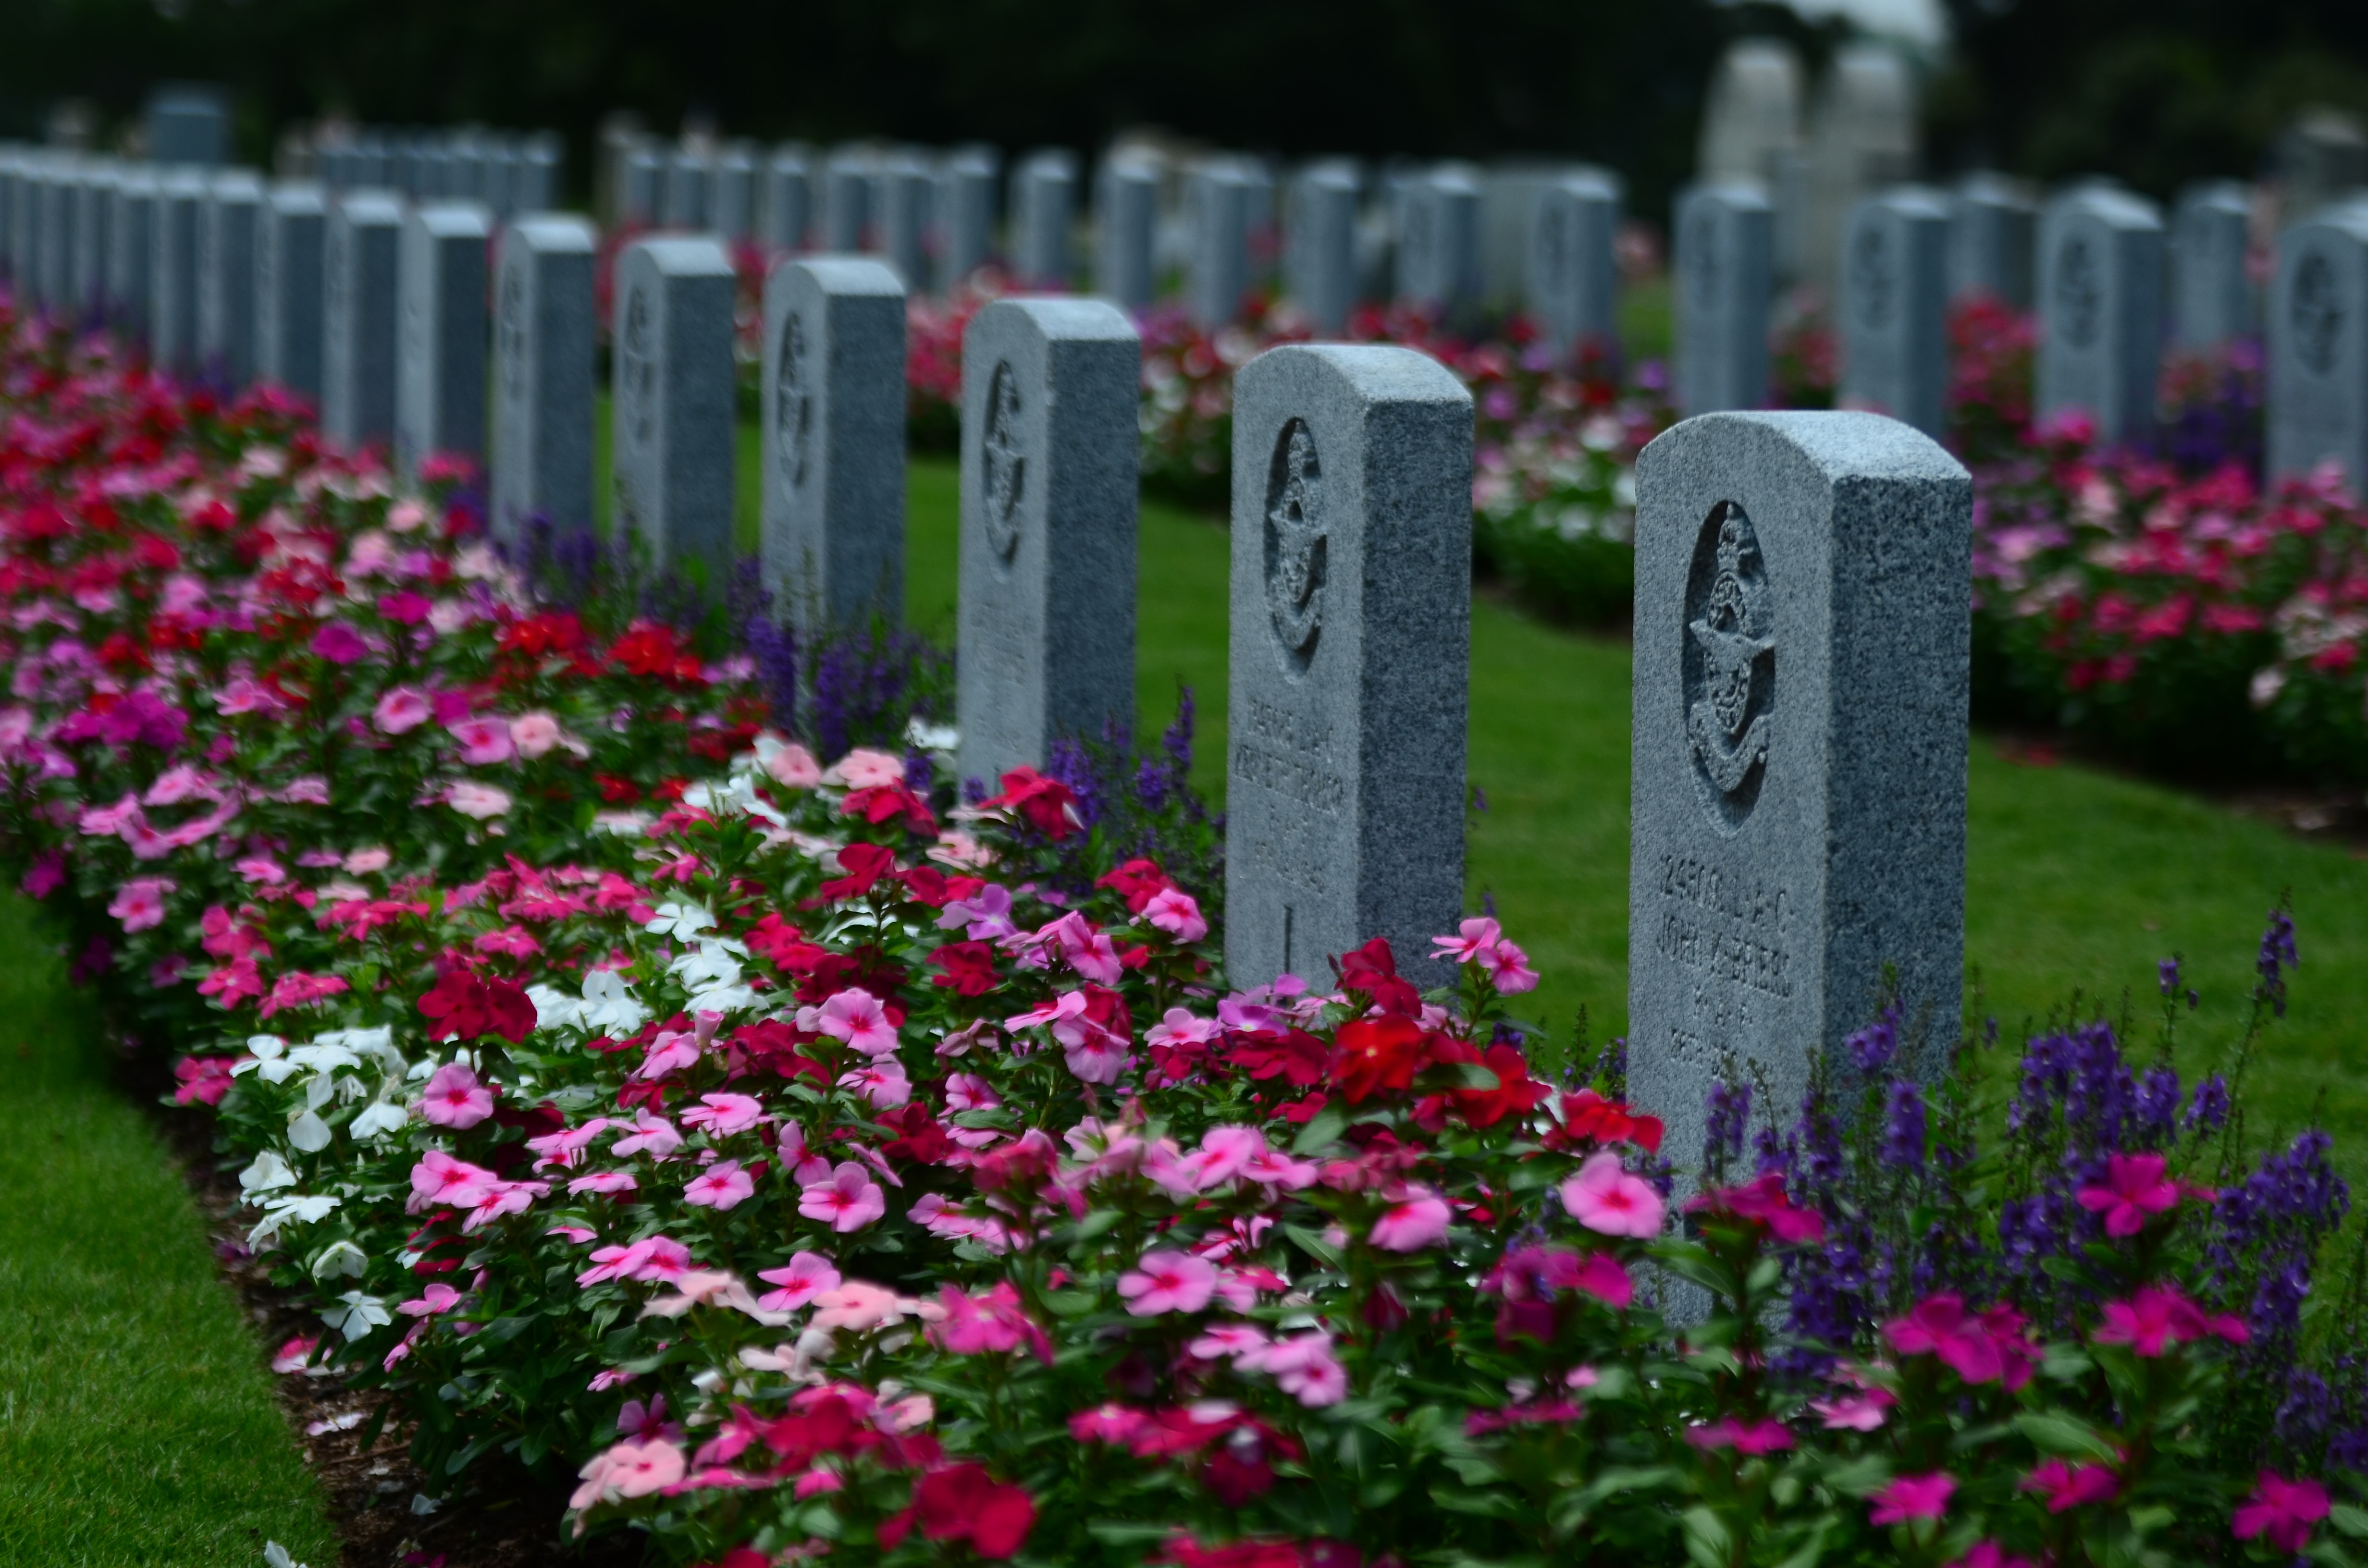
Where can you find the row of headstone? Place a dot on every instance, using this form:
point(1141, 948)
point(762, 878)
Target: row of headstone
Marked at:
point(509, 173)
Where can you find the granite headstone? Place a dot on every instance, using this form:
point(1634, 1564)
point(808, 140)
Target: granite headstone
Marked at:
point(672, 412)
point(439, 358)
point(289, 272)
point(2318, 407)
point(2211, 297)
point(1720, 291)
point(543, 334)
point(1319, 243)
point(1126, 217)
point(188, 123)
point(904, 186)
point(785, 205)
point(129, 253)
point(1895, 308)
point(173, 272)
point(2101, 285)
point(359, 250)
point(1044, 197)
point(963, 214)
point(1573, 275)
point(1217, 268)
point(1993, 226)
point(226, 224)
point(847, 215)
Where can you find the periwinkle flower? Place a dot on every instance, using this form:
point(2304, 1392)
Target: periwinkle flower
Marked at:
point(2209, 1109)
point(2277, 955)
point(1904, 1126)
point(1872, 1048)
point(1729, 1118)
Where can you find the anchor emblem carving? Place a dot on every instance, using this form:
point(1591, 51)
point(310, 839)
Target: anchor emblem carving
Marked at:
point(1728, 727)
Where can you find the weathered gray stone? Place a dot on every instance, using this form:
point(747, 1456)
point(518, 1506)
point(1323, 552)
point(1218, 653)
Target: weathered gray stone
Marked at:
point(963, 214)
point(1438, 243)
point(731, 195)
point(536, 186)
point(1319, 243)
point(360, 250)
point(904, 186)
point(785, 207)
point(1044, 197)
point(93, 239)
point(2211, 298)
point(226, 224)
point(500, 158)
point(1051, 389)
point(833, 442)
point(1217, 226)
point(684, 202)
point(289, 272)
point(1351, 610)
point(2322, 157)
point(2318, 409)
point(1993, 226)
point(1721, 293)
point(1573, 278)
point(1751, 130)
point(1862, 140)
point(672, 412)
point(1798, 773)
point(25, 227)
point(543, 333)
point(847, 215)
point(60, 215)
point(172, 273)
point(439, 356)
point(2100, 282)
point(188, 123)
point(12, 170)
point(1126, 218)
point(644, 170)
point(130, 251)
point(1895, 308)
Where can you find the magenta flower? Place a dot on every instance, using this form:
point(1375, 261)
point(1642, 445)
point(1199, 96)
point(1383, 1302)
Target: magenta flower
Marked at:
point(722, 1186)
point(1412, 1225)
point(1861, 1412)
point(1750, 1438)
point(339, 644)
point(439, 1180)
point(2156, 1317)
point(1913, 1498)
point(1175, 912)
point(2135, 1187)
point(455, 1098)
point(1991, 1554)
point(724, 1113)
point(139, 903)
point(436, 1298)
point(2283, 1511)
point(855, 1016)
point(2064, 1486)
point(1608, 1200)
point(848, 1200)
point(1939, 1325)
point(484, 742)
point(1168, 1282)
point(401, 711)
point(807, 1274)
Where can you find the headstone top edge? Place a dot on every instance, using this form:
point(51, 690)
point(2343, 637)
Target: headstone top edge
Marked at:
point(371, 207)
point(683, 257)
point(559, 232)
point(235, 184)
point(1745, 193)
point(2119, 208)
point(846, 274)
point(1842, 444)
point(455, 220)
point(1374, 371)
point(298, 196)
point(1066, 316)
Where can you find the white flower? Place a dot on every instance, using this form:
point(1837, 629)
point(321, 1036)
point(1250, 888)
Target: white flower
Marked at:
point(684, 920)
point(340, 1260)
point(359, 1314)
point(271, 1062)
point(268, 1172)
point(553, 1008)
point(378, 1121)
point(609, 1005)
point(932, 737)
point(295, 1208)
point(307, 1132)
point(276, 1556)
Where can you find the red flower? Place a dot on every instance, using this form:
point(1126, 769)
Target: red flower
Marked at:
point(864, 863)
point(463, 1007)
point(969, 966)
point(1138, 882)
point(1588, 1117)
point(1762, 1202)
point(884, 803)
point(1516, 1093)
point(1372, 1055)
point(1046, 804)
point(961, 1503)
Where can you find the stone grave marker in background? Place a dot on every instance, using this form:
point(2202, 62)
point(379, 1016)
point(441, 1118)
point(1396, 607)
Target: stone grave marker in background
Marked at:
point(1217, 218)
point(1043, 196)
point(1798, 770)
point(785, 198)
point(95, 241)
point(537, 184)
point(1751, 130)
point(2211, 297)
point(637, 196)
point(173, 272)
point(358, 249)
point(2318, 409)
point(2101, 267)
point(1050, 394)
point(832, 463)
point(61, 211)
point(1993, 228)
point(673, 406)
point(1319, 243)
point(1351, 663)
point(963, 214)
point(439, 374)
point(288, 270)
point(25, 226)
point(1720, 291)
point(731, 193)
point(12, 170)
point(226, 225)
point(188, 123)
point(544, 336)
point(683, 197)
point(847, 214)
point(2321, 157)
point(1126, 218)
point(130, 251)
point(1862, 140)
point(1439, 241)
point(1895, 308)
point(903, 187)
point(1572, 278)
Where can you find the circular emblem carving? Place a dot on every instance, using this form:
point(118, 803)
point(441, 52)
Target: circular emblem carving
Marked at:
point(1874, 281)
point(509, 330)
point(1297, 545)
point(2316, 312)
point(638, 370)
point(2079, 290)
point(1701, 256)
point(1003, 454)
point(792, 404)
point(1728, 673)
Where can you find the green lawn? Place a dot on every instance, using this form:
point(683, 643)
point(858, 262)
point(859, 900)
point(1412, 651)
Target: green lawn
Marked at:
point(136, 1417)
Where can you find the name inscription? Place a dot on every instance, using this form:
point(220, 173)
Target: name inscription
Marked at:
point(1724, 926)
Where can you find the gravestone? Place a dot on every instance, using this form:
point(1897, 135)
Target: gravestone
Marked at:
point(1721, 293)
point(288, 272)
point(1319, 246)
point(2317, 410)
point(130, 252)
point(684, 205)
point(500, 157)
point(2101, 283)
point(1798, 768)
point(1573, 277)
point(2211, 297)
point(1439, 246)
point(1993, 228)
point(464, 169)
point(1351, 609)
point(536, 184)
point(437, 178)
point(61, 216)
point(1751, 130)
point(1895, 308)
point(172, 273)
point(785, 205)
point(2321, 157)
point(833, 444)
point(226, 224)
point(672, 413)
point(1043, 196)
point(644, 171)
point(187, 124)
point(1218, 266)
point(847, 215)
point(360, 250)
point(963, 213)
point(903, 187)
point(731, 193)
point(440, 359)
point(12, 170)
point(24, 228)
point(1051, 391)
point(543, 334)
point(1862, 140)
point(1126, 218)
point(95, 238)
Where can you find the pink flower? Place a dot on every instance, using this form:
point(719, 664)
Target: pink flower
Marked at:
point(1766, 1435)
point(1991, 1554)
point(976, 1326)
point(1175, 912)
point(1508, 967)
point(260, 869)
point(603, 1182)
point(1412, 1225)
point(1168, 1282)
point(484, 742)
point(455, 1098)
point(479, 801)
point(650, 1258)
point(1228, 1341)
point(1762, 1201)
point(1599, 1274)
point(436, 1298)
point(1113, 1423)
point(1939, 1325)
point(1474, 937)
point(2283, 1510)
point(2154, 1318)
point(339, 644)
point(139, 903)
point(2134, 1188)
point(723, 1114)
point(439, 1180)
point(1302, 1367)
point(1913, 1498)
point(629, 1470)
point(1860, 1412)
point(401, 710)
point(850, 1199)
point(649, 1134)
point(533, 734)
point(882, 1083)
point(865, 770)
point(794, 767)
point(808, 1275)
point(362, 862)
point(722, 1186)
point(855, 1016)
point(1608, 1200)
point(2066, 1487)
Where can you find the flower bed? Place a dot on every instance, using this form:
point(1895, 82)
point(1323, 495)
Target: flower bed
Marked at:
point(817, 1169)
